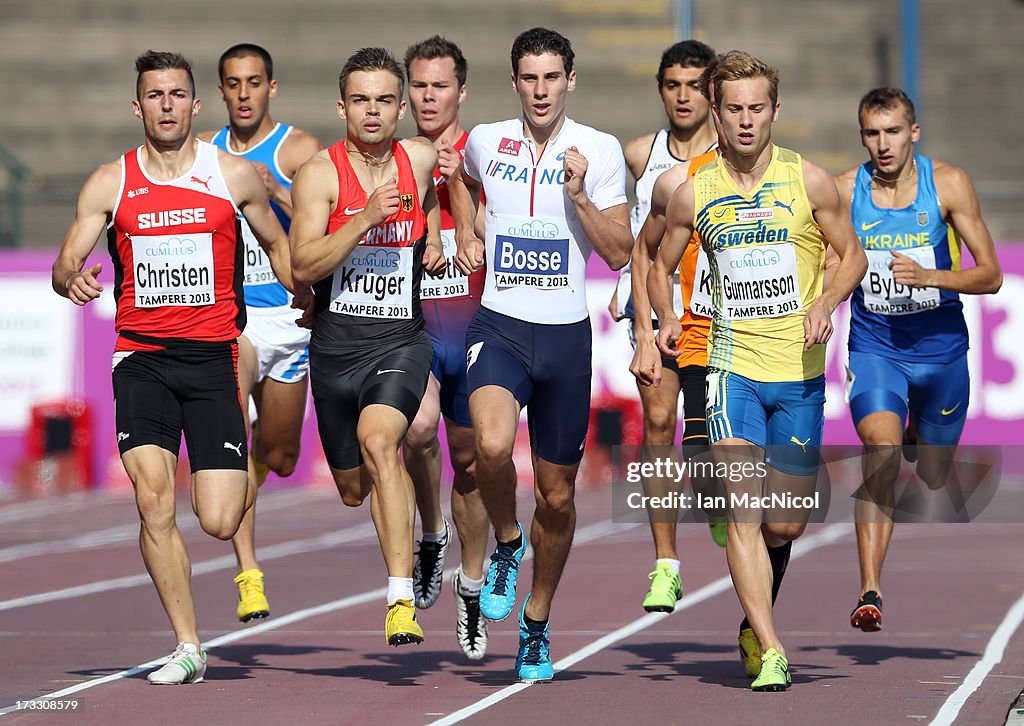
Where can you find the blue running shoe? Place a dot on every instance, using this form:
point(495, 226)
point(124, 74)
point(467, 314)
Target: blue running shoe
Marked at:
point(498, 595)
point(533, 664)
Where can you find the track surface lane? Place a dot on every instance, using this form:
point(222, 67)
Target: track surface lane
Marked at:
point(946, 590)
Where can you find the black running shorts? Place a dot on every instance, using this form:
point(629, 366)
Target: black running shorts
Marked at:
point(158, 394)
point(346, 379)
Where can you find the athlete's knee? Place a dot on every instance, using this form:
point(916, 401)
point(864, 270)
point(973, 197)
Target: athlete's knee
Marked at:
point(558, 500)
point(350, 488)
point(492, 449)
point(379, 449)
point(421, 438)
point(221, 524)
point(935, 474)
point(788, 531)
point(282, 460)
point(659, 424)
point(156, 508)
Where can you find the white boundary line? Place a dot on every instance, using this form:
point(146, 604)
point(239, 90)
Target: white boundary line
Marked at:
point(227, 562)
point(990, 658)
point(129, 532)
point(810, 543)
point(587, 534)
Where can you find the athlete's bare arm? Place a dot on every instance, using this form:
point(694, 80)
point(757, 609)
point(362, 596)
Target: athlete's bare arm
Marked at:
point(296, 149)
point(95, 205)
point(315, 255)
point(607, 229)
point(678, 231)
point(844, 183)
point(646, 363)
point(464, 195)
point(423, 156)
point(637, 153)
point(250, 195)
point(833, 218)
point(962, 211)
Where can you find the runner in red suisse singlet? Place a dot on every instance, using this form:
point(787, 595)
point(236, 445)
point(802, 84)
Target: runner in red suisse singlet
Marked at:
point(177, 257)
point(375, 292)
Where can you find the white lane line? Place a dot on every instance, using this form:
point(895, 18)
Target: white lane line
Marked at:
point(990, 658)
point(227, 562)
point(130, 532)
point(47, 505)
point(584, 535)
point(826, 536)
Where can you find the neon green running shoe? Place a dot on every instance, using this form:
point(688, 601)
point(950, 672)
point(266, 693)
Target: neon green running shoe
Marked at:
point(774, 674)
point(665, 590)
point(750, 652)
point(719, 527)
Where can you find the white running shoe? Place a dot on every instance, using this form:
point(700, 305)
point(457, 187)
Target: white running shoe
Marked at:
point(186, 665)
point(470, 625)
point(428, 569)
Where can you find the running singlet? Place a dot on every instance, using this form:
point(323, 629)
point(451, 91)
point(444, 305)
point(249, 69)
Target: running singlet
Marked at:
point(375, 292)
point(767, 256)
point(453, 288)
point(659, 161)
point(262, 290)
point(697, 290)
point(924, 325)
point(177, 261)
point(536, 248)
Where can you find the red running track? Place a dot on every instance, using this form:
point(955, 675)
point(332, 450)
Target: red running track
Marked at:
point(77, 607)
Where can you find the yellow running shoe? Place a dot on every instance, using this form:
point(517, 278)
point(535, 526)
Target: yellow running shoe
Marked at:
point(774, 672)
point(750, 653)
point(252, 602)
point(401, 627)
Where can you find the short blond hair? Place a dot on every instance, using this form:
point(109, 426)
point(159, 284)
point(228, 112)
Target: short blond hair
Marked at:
point(737, 65)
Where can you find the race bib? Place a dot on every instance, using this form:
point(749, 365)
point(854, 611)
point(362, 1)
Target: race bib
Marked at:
point(173, 270)
point(759, 282)
point(702, 303)
point(883, 295)
point(374, 282)
point(257, 264)
point(452, 283)
point(530, 252)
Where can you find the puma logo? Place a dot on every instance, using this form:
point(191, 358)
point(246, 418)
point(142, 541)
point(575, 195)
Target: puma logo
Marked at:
point(197, 180)
point(787, 207)
point(237, 448)
point(121, 436)
point(802, 444)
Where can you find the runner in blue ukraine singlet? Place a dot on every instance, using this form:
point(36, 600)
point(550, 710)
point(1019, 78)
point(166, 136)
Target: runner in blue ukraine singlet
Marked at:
point(908, 336)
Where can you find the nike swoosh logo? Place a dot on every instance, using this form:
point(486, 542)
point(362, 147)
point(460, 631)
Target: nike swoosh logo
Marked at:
point(865, 227)
point(389, 370)
point(946, 413)
point(349, 211)
point(803, 444)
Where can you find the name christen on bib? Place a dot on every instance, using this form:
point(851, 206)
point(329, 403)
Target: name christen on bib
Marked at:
point(173, 270)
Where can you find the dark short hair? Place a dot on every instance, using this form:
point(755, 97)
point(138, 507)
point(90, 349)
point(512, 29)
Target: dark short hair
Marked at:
point(886, 98)
point(371, 59)
point(705, 77)
point(686, 53)
point(538, 41)
point(245, 50)
point(162, 60)
point(437, 47)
